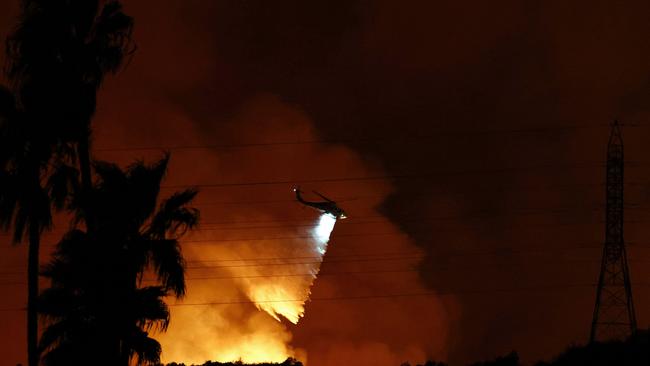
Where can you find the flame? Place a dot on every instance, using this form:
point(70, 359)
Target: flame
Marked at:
point(268, 296)
point(217, 337)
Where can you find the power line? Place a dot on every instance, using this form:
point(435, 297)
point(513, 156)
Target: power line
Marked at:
point(339, 298)
point(406, 256)
point(393, 139)
point(337, 273)
point(367, 257)
point(304, 257)
point(306, 263)
point(12, 309)
point(358, 198)
point(299, 274)
point(315, 275)
point(378, 296)
point(481, 215)
point(495, 253)
point(477, 214)
point(245, 203)
point(487, 214)
point(352, 260)
point(432, 293)
point(498, 251)
point(394, 233)
point(585, 165)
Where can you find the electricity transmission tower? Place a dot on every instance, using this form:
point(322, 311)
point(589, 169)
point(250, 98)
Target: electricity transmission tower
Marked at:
point(614, 316)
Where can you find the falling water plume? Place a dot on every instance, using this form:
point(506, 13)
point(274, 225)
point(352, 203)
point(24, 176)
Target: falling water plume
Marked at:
point(322, 232)
point(266, 294)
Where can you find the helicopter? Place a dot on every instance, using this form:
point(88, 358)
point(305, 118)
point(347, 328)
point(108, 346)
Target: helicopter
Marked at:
point(328, 206)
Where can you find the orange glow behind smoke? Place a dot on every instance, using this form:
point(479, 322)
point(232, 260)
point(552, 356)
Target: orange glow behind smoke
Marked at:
point(245, 257)
point(209, 333)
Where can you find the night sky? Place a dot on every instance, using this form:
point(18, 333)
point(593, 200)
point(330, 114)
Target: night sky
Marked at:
point(465, 140)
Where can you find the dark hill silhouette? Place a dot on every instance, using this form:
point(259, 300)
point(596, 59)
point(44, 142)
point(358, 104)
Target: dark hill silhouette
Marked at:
point(511, 359)
point(634, 351)
point(428, 363)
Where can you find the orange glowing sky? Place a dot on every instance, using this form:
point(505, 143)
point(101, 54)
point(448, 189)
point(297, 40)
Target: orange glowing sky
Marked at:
point(352, 97)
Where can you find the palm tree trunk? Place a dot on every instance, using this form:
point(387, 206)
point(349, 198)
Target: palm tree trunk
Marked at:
point(32, 295)
point(125, 357)
point(83, 150)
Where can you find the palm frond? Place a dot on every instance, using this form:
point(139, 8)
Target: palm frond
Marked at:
point(112, 40)
point(109, 174)
point(52, 335)
point(20, 224)
point(57, 302)
point(145, 181)
point(73, 261)
point(174, 217)
point(8, 199)
point(8, 119)
point(62, 184)
point(150, 311)
point(147, 350)
point(168, 264)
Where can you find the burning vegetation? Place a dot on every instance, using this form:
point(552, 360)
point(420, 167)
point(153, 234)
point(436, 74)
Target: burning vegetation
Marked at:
point(287, 362)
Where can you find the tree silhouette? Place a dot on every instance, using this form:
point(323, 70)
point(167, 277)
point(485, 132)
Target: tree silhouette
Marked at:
point(511, 359)
point(428, 363)
point(633, 351)
point(288, 362)
point(56, 59)
point(24, 200)
point(96, 304)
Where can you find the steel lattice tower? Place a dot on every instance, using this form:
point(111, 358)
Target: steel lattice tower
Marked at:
point(614, 316)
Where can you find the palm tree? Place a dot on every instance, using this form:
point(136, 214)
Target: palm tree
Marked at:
point(24, 202)
point(57, 58)
point(97, 304)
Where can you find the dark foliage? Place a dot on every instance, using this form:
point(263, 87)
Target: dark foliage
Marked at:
point(634, 351)
point(57, 57)
point(96, 304)
point(288, 362)
point(511, 359)
point(428, 363)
